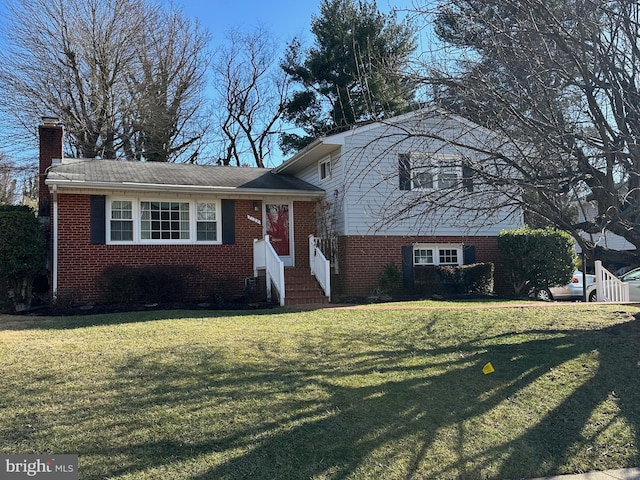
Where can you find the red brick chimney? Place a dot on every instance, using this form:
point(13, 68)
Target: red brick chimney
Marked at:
point(50, 135)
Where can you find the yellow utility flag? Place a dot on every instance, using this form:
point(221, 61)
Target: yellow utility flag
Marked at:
point(488, 368)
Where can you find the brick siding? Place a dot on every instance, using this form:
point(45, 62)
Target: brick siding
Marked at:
point(80, 263)
point(362, 259)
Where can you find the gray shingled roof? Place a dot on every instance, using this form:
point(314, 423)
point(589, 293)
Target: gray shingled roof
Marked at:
point(118, 174)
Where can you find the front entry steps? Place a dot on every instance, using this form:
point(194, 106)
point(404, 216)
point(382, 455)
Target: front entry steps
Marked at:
point(302, 288)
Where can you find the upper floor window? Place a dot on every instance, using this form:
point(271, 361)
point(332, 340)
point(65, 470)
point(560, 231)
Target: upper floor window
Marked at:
point(325, 169)
point(423, 171)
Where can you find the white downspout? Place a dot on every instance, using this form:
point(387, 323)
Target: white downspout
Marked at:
point(54, 266)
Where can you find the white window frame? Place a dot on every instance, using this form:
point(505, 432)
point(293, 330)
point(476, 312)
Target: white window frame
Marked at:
point(216, 220)
point(437, 165)
point(189, 231)
point(137, 221)
point(110, 219)
point(324, 169)
point(437, 251)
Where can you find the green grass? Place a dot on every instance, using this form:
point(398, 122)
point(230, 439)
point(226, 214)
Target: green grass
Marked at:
point(328, 394)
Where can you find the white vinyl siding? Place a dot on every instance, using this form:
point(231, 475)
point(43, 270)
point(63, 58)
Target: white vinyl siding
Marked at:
point(333, 186)
point(369, 176)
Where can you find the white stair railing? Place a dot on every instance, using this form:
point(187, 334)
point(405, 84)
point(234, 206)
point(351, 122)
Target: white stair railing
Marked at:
point(320, 266)
point(609, 288)
point(265, 257)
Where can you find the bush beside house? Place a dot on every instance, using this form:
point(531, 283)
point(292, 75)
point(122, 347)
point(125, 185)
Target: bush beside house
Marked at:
point(474, 279)
point(536, 258)
point(22, 256)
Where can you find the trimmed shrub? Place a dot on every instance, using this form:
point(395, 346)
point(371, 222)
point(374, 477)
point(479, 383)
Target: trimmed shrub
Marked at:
point(474, 279)
point(22, 255)
point(129, 285)
point(477, 278)
point(391, 279)
point(536, 258)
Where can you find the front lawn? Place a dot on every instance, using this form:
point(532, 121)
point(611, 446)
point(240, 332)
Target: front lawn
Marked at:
point(328, 394)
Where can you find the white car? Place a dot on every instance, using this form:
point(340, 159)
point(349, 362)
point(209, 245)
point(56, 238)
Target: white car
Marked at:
point(572, 291)
point(632, 278)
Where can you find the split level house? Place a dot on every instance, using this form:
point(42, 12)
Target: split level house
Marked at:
point(323, 224)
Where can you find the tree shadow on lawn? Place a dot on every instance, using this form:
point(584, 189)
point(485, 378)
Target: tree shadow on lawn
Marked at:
point(381, 414)
point(141, 315)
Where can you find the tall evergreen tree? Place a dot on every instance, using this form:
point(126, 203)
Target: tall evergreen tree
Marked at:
point(355, 72)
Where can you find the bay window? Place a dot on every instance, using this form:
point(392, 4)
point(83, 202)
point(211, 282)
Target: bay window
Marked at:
point(164, 221)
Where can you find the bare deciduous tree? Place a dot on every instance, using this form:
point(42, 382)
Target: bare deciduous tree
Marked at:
point(8, 181)
point(167, 88)
point(559, 84)
point(105, 67)
point(251, 89)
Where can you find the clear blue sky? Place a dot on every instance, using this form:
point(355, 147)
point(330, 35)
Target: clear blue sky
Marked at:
point(284, 19)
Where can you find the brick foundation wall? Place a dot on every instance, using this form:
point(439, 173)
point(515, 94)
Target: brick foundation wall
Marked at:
point(362, 259)
point(81, 264)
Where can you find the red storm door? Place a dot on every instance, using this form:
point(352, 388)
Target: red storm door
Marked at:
point(277, 227)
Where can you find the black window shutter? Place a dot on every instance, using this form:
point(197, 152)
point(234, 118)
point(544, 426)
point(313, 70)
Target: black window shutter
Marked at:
point(407, 266)
point(467, 177)
point(404, 171)
point(469, 254)
point(98, 219)
point(228, 222)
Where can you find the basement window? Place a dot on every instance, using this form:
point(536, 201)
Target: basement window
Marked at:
point(424, 254)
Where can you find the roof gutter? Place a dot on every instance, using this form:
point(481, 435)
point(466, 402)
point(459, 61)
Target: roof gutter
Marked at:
point(200, 189)
point(300, 154)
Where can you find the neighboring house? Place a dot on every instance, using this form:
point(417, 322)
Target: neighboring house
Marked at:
point(351, 188)
point(606, 239)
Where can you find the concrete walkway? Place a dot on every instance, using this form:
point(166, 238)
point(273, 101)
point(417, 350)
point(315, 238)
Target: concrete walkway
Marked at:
point(623, 474)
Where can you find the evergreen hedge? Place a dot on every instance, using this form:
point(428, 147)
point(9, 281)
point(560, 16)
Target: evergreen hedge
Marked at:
point(22, 255)
point(537, 258)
